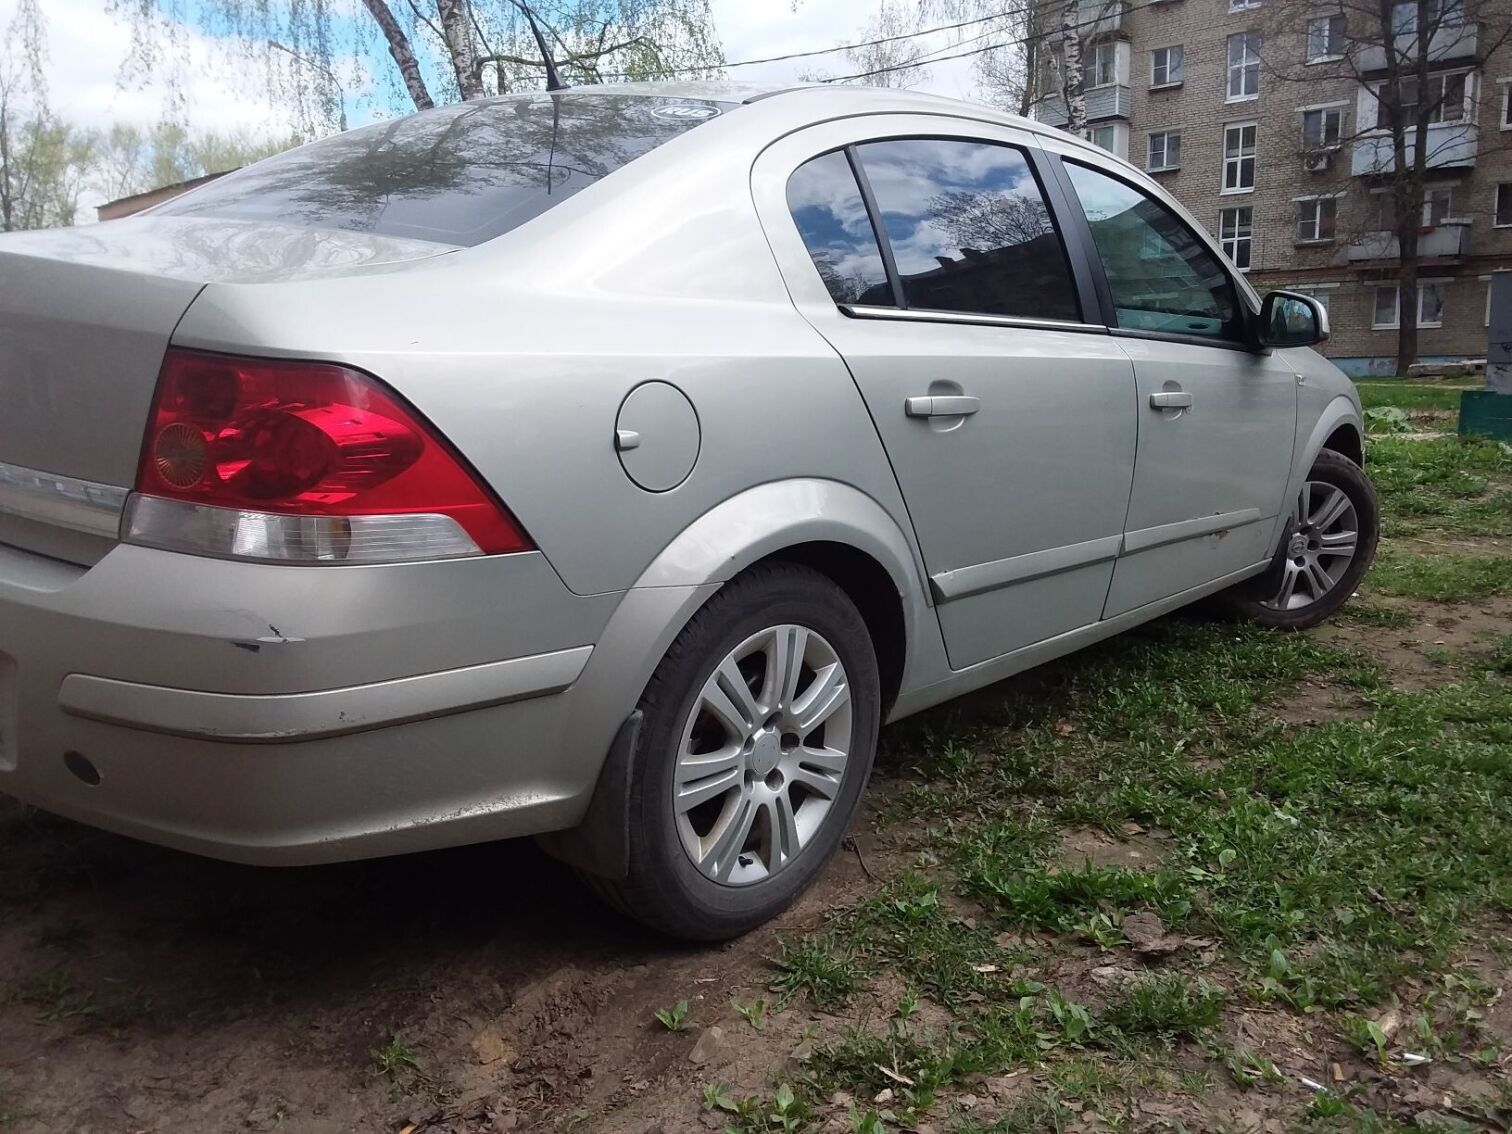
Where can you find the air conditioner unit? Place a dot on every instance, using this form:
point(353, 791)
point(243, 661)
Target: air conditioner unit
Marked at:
point(1317, 163)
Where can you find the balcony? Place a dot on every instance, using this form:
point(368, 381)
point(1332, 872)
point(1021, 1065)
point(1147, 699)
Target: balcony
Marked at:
point(1447, 241)
point(1111, 101)
point(1445, 45)
point(1093, 18)
point(1451, 145)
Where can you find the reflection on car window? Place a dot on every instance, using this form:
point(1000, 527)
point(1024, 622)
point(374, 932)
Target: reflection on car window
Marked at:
point(1162, 277)
point(826, 205)
point(969, 229)
point(455, 175)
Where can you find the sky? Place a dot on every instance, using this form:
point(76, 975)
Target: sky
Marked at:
point(87, 47)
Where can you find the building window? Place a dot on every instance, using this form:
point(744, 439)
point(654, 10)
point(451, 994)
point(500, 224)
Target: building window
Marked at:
point(1165, 151)
point(1431, 304)
point(1105, 137)
point(1316, 219)
point(1325, 39)
point(1322, 129)
point(1446, 97)
point(1104, 71)
point(1503, 215)
point(1243, 5)
point(1506, 109)
point(1446, 13)
point(1438, 204)
point(1243, 66)
point(1323, 294)
point(1239, 158)
point(1236, 232)
point(1165, 66)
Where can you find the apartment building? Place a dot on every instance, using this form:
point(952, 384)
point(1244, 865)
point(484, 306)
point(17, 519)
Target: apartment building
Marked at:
point(1260, 116)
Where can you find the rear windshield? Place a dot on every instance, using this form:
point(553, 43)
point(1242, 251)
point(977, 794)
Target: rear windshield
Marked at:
point(456, 175)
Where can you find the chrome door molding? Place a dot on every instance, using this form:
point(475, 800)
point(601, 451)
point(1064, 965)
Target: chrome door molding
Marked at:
point(62, 501)
point(1162, 534)
point(982, 577)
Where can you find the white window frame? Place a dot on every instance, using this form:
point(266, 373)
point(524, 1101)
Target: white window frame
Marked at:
point(1322, 292)
point(1440, 283)
point(1428, 191)
point(1442, 286)
point(1496, 212)
point(1243, 5)
point(1159, 84)
point(1505, 121)
point(1242, 67)
point(1111, 46)
point(1325, 110)
point(1317, 200)
point(1230, 244)
point(1253, 157)
point(1335, 53)
point(1167, 164)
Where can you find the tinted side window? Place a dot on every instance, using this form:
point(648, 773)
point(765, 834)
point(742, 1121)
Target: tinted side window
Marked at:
point(969, 229)
point(831, 216)
point(1162, 277)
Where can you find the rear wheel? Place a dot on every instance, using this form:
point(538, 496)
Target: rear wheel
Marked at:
point(760, 729)
point(1328, 545)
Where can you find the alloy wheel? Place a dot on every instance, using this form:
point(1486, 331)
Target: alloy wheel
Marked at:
point(763, 754)
point(1323, 540)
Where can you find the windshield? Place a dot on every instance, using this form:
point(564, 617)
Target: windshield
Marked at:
point(456, 175)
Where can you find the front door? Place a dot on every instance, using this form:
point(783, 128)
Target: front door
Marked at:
point(1007, 417)
point(1217, 421)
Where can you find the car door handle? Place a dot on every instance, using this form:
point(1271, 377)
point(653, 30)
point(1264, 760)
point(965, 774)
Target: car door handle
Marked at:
point(1171, 399)
point(942, 405)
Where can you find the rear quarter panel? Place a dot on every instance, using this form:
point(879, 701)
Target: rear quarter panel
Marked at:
point(522, 350)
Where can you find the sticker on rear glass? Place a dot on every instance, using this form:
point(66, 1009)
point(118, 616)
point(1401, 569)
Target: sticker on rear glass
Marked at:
point(685, 112)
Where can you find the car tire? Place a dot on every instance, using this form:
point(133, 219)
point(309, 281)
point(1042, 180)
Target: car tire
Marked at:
point(691, 872)
point(1311, 575)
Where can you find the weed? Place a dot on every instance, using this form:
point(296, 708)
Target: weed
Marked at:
point(675, 1018)
point(750, 1115)
point(818, 966)
point(397, 1064)
point(1167, 1006)
point(57, 998)
point(754, 1013)
point(1248, 1068)
point(1366, 1036)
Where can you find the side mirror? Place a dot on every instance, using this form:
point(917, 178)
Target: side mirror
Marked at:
point(1291, 320)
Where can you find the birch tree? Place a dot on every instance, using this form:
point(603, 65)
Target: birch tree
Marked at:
point(312, 56)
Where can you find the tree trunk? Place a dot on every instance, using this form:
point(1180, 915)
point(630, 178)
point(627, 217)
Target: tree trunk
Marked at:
point(459, 45)
point(1073, 76)
point(404, 55)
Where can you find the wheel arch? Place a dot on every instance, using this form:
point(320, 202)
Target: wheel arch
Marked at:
point(826, 525)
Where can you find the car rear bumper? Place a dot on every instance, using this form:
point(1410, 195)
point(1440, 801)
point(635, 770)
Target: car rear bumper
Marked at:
point(274, 714)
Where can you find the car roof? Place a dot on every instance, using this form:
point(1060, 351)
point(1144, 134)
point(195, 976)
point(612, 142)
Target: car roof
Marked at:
point(821, 100)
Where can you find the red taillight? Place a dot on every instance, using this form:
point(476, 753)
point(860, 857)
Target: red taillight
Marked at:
point(306, 439)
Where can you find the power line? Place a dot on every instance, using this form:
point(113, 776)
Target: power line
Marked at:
point(981, 50)
point(837, 47)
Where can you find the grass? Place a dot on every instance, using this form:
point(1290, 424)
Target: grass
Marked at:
point(1409, 395)
point(1328, 864)
point(1441, 578)
point(1442, 485)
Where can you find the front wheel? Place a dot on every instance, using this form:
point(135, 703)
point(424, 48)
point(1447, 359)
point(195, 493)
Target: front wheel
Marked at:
point(1327, 546)
point(760, 727)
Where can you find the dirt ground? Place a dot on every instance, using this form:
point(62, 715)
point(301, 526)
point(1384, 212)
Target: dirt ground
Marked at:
point(145, 990)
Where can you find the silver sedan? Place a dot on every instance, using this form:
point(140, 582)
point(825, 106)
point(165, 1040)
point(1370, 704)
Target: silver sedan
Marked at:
point(607, 466)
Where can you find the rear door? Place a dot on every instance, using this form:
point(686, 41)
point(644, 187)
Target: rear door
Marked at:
point(1217, 420)
point(925, 250)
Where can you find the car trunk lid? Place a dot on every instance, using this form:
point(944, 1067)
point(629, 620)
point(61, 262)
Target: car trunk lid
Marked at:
point(86, 315)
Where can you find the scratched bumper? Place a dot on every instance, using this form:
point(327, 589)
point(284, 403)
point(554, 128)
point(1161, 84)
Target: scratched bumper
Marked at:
point(293, 714)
